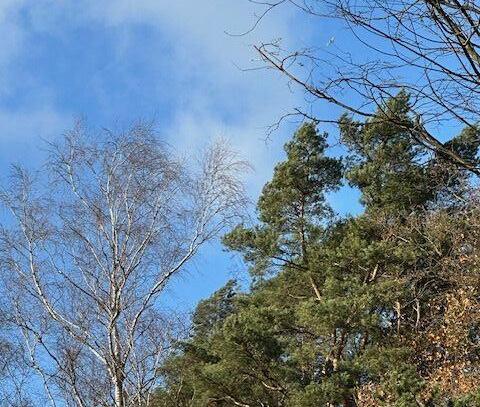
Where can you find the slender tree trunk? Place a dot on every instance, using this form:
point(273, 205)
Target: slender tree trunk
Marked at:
point(118, 389)
point(118, 380)
point(118, 365)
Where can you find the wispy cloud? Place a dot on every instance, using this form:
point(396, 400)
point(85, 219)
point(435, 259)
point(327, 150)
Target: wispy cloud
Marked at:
point(180, 61)
point(212, 87)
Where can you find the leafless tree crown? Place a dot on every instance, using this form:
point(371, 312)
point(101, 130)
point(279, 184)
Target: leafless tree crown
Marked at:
point(86, 257)
point(427, 48)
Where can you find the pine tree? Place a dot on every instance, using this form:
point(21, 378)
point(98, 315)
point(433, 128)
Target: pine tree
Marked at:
point(369, 310)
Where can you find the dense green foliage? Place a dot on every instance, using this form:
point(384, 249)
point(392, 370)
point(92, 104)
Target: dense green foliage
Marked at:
point(377, 309)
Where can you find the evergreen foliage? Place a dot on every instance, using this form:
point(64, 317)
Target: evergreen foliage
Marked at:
point(380, 309)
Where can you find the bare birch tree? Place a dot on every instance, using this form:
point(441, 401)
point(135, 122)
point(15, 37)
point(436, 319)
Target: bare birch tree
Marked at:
point(377, 48)
point(13, 369)
point(88, 257)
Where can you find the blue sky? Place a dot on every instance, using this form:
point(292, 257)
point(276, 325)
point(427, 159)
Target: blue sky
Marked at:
point(114, 61)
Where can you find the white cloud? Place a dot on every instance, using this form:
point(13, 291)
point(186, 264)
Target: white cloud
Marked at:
point(23, 133)
point(217, 97)
point(11, 43)
point(21, 127)
point(213, 97)
point(35, 123)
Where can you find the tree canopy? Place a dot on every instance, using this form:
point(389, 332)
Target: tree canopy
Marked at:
point(375, 309)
